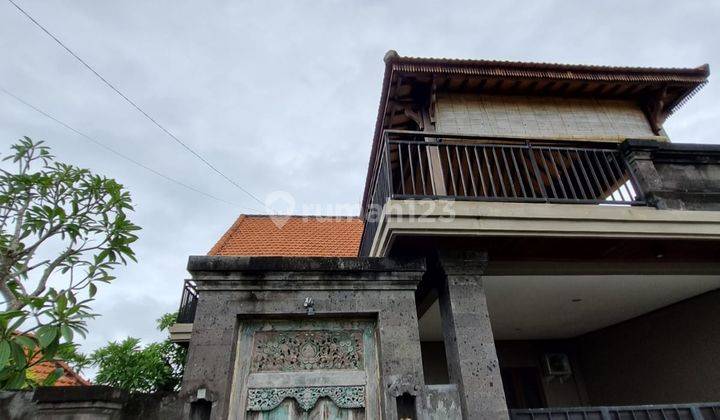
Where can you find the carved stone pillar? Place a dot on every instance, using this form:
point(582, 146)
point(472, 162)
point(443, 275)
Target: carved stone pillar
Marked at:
point(401, 359)
point(469, 343)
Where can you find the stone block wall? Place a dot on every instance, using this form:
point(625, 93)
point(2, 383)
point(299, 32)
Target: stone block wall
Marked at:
point(17, 405)
point(87, 403)
point(676, 176)
point(237, 290)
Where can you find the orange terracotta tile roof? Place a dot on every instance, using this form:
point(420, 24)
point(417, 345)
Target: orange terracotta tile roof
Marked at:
point(69, 377)
point(291, 236)
point(42, 370)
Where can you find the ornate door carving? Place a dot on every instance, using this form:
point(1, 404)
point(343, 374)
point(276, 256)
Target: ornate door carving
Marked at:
point(317, 369)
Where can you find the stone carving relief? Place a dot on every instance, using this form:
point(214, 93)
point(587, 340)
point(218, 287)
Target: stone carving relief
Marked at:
point(404, 384)
point(290, 351)
point(343, 396)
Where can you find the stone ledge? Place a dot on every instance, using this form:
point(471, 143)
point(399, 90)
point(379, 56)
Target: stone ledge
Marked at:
point(315, 264)
point(66, 394)
point(478, 218)
point(665, 152)
point(198, 263)
point(180, 332)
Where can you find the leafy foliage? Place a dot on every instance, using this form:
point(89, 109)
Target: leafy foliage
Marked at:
point(153, 368)
point(62, 231)
point(74, 358)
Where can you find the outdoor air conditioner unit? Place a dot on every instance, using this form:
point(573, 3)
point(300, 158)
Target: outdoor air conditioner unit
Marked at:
point(557, 365)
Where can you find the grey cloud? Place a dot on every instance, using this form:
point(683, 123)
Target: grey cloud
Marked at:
point(283, 96)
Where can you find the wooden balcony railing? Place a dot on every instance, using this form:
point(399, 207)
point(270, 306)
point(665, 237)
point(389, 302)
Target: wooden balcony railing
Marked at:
point(699, 411)
point(421, 165)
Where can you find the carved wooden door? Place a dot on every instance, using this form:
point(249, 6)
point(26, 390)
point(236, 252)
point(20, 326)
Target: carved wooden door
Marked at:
point(316, 369)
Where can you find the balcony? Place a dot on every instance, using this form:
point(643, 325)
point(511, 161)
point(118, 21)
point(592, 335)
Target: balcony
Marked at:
point(188, 303)
point(182, 329)
point(422, 165)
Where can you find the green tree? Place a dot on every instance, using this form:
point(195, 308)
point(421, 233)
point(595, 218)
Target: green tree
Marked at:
point(157, 367)
point(63, 230)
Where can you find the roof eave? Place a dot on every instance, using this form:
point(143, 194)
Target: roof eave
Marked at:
point(390, 57)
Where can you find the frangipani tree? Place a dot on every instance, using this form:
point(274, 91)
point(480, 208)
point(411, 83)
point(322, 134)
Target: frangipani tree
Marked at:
point(63, 230)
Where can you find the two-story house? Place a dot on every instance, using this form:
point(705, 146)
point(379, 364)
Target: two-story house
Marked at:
point(531, 246)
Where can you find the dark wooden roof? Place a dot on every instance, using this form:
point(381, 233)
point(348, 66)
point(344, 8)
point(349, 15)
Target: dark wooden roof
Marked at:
point(545, 70)
point(661, 90)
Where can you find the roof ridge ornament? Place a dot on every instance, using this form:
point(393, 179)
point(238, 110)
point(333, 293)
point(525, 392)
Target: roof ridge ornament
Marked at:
point(391, 56)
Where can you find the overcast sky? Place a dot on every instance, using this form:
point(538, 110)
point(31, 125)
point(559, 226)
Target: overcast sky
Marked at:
point(282, 96)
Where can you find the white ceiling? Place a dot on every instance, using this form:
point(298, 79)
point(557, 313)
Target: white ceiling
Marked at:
point(542, 307)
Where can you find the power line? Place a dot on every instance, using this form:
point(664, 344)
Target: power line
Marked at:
point(117, 153)
point(134, 105)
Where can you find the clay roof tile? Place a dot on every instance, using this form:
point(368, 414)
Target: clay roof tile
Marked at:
point(291, 236)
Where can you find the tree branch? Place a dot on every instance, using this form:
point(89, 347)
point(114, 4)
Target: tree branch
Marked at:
point(27, 269)
point(48, 234)
point(19, 221)
point(49, 270)
point(10, 300)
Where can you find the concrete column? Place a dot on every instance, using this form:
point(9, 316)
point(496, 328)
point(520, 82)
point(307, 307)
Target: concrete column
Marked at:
point(469, 343)
point(400, 356)
point(208, 369)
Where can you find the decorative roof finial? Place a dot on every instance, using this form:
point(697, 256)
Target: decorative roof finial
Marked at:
point(391, 56)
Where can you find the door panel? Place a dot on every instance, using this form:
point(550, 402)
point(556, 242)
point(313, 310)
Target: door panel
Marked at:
point(325, 409)
point(314, 369)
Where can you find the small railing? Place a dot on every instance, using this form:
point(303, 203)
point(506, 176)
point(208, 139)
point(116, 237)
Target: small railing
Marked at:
point(188, 303)
point(699, 411)
point(422, 165)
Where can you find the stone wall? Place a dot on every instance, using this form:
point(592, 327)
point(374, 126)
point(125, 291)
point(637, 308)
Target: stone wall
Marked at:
point(494, 115)
point(237, 290)
point(443, 402)
point(87, 403)
point(17, 405)
point(676, 176)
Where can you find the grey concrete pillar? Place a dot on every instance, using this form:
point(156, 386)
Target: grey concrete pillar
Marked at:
point(401, 357)
point(210, 356)
point(469, 343)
